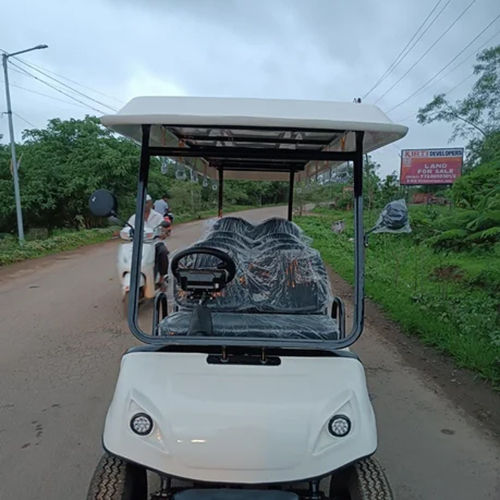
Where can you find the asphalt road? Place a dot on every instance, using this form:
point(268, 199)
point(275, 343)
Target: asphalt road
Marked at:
point(62, 333)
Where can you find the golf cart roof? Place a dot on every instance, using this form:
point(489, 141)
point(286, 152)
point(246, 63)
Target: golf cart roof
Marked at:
point(304, 127)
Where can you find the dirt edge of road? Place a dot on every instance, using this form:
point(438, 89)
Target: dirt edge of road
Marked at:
point(462, 387)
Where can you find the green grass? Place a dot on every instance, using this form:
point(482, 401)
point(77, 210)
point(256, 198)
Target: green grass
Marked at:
point(62, 240)
point(450, 300)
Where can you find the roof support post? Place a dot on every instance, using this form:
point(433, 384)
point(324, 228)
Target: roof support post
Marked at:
point(221, 192)
point(138, 237)
point(290, 194)
point(359, 249)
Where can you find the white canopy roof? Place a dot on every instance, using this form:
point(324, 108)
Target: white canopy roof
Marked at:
point(253, 123)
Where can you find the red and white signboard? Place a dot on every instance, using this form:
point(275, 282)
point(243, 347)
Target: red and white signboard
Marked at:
point(431, 166)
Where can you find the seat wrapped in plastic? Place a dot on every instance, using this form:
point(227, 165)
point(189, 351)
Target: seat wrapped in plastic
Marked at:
point(233, 224)
point(276, 273)
point(275, 239)
point(254, 233)
point(285, 279)
point(235, 324)
point(276, 225)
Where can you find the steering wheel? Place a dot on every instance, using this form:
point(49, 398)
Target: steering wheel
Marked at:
point(227, 263)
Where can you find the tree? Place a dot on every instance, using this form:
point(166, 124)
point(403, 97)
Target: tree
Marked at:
point(64, 163)
point(477, 117)
point(371, 180)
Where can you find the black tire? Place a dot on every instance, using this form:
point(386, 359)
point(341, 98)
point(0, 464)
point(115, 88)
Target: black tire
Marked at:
point(117, 479)
point(364, 480)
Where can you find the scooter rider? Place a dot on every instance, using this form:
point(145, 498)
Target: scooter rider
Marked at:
point(153, 219)
point(161, 205)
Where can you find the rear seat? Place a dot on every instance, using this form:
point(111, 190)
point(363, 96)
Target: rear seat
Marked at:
point(281, 287)
point(258, 325)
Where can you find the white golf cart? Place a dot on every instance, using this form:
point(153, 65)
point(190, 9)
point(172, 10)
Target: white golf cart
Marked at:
point(246, 390)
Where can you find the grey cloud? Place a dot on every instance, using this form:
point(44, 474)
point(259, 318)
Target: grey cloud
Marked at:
point(315, 49)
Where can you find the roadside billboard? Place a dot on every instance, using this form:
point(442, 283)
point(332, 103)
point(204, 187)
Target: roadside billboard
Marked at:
point(430, 166)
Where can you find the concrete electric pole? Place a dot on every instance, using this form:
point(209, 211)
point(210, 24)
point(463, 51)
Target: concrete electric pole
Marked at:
point(5, 57)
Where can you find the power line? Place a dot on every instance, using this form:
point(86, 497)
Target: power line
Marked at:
point(475, 53)
point(428, 50)
point(70, 80)
point(403, 54)
point(470, 75)
point(445, 66)
point(461, 82)
point(58, 89)
point(66, 85)
point(24, 119)
point(47, 95)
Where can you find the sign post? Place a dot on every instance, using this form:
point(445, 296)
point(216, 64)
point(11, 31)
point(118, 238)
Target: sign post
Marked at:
point(430, 166)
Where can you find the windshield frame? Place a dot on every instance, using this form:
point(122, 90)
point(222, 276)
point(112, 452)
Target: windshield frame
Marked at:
point(355, 156)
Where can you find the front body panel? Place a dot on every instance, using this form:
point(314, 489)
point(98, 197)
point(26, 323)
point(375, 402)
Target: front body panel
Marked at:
point(239, 423)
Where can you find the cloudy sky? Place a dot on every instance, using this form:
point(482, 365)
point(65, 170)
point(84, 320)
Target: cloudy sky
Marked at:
point(113, 50)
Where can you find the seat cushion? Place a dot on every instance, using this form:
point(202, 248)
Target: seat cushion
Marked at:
point(281, 326)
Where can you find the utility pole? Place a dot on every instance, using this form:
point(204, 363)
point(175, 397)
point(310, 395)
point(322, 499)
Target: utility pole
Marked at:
point(19, 213)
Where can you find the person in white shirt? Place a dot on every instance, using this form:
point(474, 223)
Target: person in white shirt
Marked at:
point(153, 219)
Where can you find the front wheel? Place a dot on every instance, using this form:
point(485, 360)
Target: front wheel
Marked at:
point(364, 480)
point(116, 479)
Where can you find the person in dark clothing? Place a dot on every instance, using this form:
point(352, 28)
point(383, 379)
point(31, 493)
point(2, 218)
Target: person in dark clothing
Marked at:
point(161, 255)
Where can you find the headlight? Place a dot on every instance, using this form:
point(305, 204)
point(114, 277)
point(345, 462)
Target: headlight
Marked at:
point(339, 426)
point(141, 424)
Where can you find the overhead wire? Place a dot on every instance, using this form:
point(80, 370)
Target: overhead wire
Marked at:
point(401, 56)
point(470, 75)
point(58, 89)
point(65, 85)
point(444, 67)
point(428, 50)
point(35, 66)
point(23, 119)
point(476, 51)
point(47, 95)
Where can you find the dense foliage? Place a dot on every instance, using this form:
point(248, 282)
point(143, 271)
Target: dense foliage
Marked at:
point(62, 164)
point(11, 252)
point(449, 299)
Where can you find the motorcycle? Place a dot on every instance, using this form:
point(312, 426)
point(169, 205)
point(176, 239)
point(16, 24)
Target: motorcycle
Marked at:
point(150, 280)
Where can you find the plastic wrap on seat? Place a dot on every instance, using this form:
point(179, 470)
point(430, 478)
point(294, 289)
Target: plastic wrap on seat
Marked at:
point(241, 227)
point(233, 224)
point(279, 326)
point(295, 282)
point(276, 270)
point(276, 225)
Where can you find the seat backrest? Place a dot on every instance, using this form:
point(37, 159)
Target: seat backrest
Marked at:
point(286, 279)
point(276, 269)
point(232, 224)
point(276, 225)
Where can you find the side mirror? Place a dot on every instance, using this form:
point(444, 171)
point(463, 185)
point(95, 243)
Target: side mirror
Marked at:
point(102, 203)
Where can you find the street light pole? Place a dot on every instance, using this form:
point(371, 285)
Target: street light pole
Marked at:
point(17, 195)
